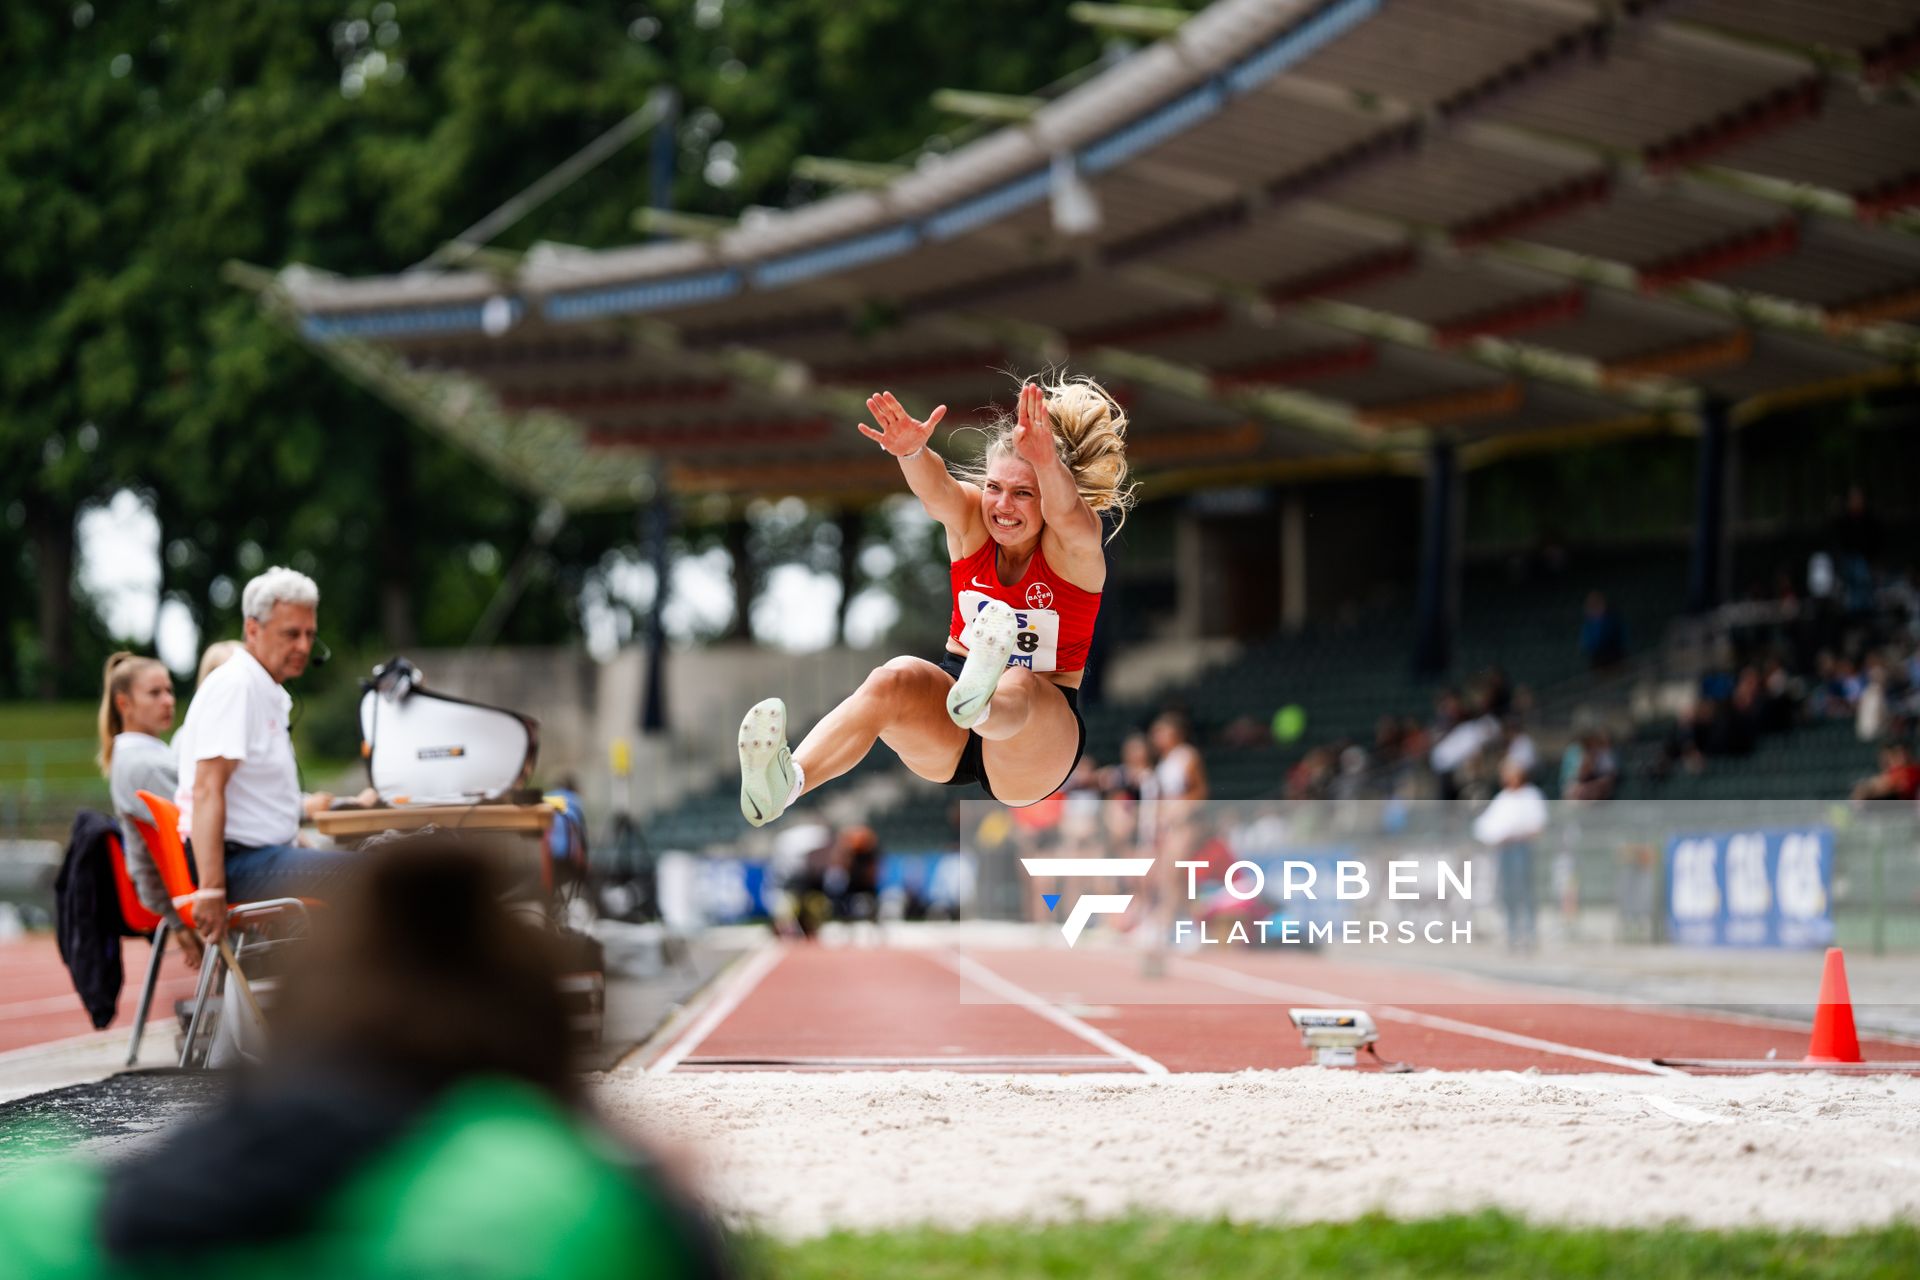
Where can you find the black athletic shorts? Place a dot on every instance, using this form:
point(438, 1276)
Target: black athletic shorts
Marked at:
point(972, 768)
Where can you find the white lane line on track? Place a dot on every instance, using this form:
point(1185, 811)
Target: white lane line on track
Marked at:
point(739, 986)
point(1002, 1061)
point(1289, 991)
point(978, 974)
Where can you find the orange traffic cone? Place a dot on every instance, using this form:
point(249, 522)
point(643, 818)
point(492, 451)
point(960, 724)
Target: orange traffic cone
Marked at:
point(1834, 1039)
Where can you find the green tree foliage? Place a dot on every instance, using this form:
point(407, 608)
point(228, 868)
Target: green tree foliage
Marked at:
point(142, 146)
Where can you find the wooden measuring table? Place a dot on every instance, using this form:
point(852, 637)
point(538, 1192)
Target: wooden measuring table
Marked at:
point(353, 824)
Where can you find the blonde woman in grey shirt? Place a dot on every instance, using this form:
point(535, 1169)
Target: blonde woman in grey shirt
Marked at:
point(136, 707)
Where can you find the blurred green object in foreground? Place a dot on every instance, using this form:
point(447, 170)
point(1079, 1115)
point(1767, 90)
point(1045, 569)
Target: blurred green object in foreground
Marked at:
point(1289, 722)
point(493, 1183)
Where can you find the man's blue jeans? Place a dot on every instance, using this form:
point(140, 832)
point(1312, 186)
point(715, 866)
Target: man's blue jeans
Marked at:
point(280, 871)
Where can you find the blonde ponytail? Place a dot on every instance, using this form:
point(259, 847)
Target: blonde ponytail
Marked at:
point(1089, 434)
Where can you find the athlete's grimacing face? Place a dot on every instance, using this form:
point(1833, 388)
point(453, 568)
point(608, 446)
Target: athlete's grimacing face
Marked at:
point(1010, 500)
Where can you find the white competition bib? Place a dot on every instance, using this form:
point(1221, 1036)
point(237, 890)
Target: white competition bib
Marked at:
point(1036, 645)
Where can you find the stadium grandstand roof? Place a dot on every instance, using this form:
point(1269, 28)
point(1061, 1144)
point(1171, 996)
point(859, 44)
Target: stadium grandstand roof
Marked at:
point(1296, 239)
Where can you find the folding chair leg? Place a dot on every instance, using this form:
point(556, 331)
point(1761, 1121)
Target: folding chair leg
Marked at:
point(146, 992)
point(210, 961)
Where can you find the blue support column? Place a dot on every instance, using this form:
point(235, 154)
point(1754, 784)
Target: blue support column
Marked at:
point(1706, 569)
point(1437, 602)
point(658, 530)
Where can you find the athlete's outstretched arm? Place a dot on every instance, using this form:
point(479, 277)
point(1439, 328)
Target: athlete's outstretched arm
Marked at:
point(900, 434)
point(1074, 522)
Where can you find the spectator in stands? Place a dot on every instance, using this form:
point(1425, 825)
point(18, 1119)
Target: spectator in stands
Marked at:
point(1837, 687)
point(1518, 745)
point(1135, 768)
point(136, 707)
point(1311, 775)
point(1131, 783)
point(1496, 693)
point(1685, 744)
point(1589, 770)
point(1898, 779)
point(1036, 834)
point(1180, 771)
point(1080, 819)
point(1415, 741)
point(1900, 596)
point(1511, 824)
point(1455, 750)
point(1871, 711)
point(857, 858)
point(1779, 699)
point(1603, 636)
point(1387, 741)
point(1740, 720)
point(1180, 777)
point(1351, 774)
point(1572, 761)
point(1247, 733)
point(1857, 541)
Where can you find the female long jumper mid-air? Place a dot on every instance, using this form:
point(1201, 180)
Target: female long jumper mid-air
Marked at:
point(1001, 706)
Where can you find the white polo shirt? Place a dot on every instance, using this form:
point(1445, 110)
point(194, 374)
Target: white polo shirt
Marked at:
point(240, 713)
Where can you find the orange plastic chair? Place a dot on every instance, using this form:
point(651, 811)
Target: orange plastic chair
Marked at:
point(170, 857)
point(132, 910)
point(169, 854)
point(138, 920)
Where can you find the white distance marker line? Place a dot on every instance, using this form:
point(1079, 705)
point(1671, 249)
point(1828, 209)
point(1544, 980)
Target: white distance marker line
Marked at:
point(739, 986)
point(1289, 991)
point(978, 974)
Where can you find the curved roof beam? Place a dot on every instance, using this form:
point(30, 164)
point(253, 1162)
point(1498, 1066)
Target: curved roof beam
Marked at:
point(1782, 314)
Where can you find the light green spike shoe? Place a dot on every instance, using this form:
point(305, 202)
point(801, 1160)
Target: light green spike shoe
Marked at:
point(766, 766)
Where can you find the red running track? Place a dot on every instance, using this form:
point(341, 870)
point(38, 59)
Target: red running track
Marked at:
point(964, 1009)
point(38, 1004)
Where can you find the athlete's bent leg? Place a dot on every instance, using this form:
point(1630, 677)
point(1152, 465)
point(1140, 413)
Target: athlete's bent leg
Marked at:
point(1012, 705)
point(903, 704)
point(1030, 765)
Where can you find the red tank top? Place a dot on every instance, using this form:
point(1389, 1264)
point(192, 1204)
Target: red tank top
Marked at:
point(1055, 617)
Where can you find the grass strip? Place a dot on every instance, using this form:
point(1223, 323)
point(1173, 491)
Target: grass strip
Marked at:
point(1487, 1246)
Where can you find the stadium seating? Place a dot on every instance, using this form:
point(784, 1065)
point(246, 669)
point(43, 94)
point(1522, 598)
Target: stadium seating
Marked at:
point(1346, 676)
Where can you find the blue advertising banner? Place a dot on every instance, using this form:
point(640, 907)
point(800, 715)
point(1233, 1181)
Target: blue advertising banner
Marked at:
point(1751, 888)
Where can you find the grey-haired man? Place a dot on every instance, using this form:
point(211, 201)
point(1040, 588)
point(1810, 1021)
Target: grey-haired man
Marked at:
point(240, 786)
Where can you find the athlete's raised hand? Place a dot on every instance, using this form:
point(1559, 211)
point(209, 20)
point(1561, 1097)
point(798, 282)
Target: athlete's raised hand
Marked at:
point(900, 434)
point(1033, 434)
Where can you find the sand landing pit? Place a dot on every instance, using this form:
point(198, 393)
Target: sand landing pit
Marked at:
point(800, 1154)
